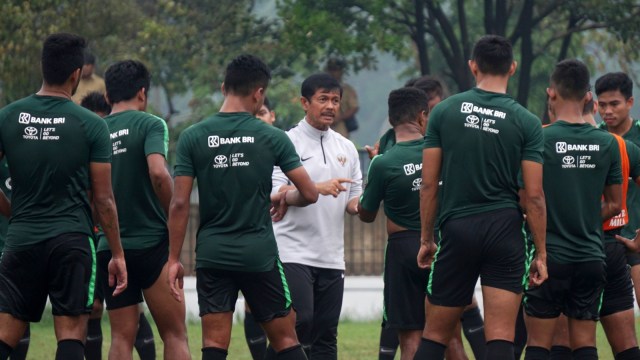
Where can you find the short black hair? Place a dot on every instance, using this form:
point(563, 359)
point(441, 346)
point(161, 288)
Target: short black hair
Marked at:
point(244, 74)
point(95, 102)
point(406, 104)
point(267, 103)
point(431, 86)
point(493, 54)
point(62, 54)
point(615, 81)
point(125, 78)
point(89, 58)
point(571, 79)
point(319, 81)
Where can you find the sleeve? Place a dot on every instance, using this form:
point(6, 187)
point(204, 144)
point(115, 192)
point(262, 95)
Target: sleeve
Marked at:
point(100, 142)
point(355, 189)
point(432, 138)
point(633, 151)
point(157, 139)
point(374, 191)
point(286, 156)
point(278, 178)
point(615, 170)
point(184, 160)
point(533, 146)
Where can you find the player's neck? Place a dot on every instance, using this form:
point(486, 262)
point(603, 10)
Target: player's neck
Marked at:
point(234, 104)
point(492, 83)
point(570, 112)
point(407, 132)
point(622, 128)
point(127, 105)
point(62, 91)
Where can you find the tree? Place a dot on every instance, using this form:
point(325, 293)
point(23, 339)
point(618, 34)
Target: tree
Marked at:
point(440, 34)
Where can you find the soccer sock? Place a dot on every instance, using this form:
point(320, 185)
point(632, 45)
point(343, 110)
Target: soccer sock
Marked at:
point(20, 352)
point(256, 338)
point(586, 353)
point(93, 345)
point(388, 344)
point(431, 350)
point(473, 327)
point(499, 349)
point(293, 353)
point(629, 354)
point(145, 346)
point(70, 349)
point(5, 350)
point(560, 353)
point(520, 340)
point(214, 353)
point(536, 353)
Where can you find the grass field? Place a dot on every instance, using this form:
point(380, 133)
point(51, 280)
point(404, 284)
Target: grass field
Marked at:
point(357, 341)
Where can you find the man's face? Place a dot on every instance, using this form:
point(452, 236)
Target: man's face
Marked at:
point(266, 115)
point(87, 70)
point(322, 108)
point(614, 108)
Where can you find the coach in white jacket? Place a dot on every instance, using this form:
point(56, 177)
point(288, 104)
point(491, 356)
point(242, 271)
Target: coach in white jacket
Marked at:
point(311, 239)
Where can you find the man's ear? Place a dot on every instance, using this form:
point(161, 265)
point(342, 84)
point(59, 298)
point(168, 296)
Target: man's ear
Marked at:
point(473, 66)
point(513, 67)
point(305, 103)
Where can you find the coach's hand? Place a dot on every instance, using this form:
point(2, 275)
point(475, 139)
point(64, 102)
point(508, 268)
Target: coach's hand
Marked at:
point(176, 278)
point(631, 244)
point(117, 274)
point(332, 187)
point(538, 271)
point(426, 254)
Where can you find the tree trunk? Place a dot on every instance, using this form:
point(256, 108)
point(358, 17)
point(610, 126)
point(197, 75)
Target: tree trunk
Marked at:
point(420, 38)
point(526, 55)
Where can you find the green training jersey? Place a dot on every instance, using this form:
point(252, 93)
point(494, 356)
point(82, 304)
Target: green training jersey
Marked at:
point(395, 177)
point(484, 137)
point(579, 161)
point(134, 136)
point(5, 186)
point(386, 141)
point(232, 156)
point(633, 193)
point(49, 142)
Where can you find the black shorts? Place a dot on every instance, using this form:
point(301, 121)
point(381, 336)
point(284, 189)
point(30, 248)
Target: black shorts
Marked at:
point(618, 292)
point(267, 293)
point(100, 280)
point(572, 289)
point(63, 268)
point(143, 268)
point(404, 283)
point(491, 245)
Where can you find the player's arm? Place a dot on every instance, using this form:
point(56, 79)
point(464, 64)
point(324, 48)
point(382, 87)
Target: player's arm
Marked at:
point(429, 204)
point(536, 209)
point(612, 202)
point(160, 179)
point(366, 215)
point(5, 204)
point(305, 192)
point(178, 219)
point(105, 207)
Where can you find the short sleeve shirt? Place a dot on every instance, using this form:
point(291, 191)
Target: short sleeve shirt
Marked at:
point(5, 185)
point(395, 178)
point(49, 143)
point(579, 161)
point(232, 156)
point(134, 136)
point(484, 137)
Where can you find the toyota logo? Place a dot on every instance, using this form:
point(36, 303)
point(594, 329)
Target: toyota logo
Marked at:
point(417, 182)
point(473, 120)
point(30, 130)
point(220, 159)
point(568, 160)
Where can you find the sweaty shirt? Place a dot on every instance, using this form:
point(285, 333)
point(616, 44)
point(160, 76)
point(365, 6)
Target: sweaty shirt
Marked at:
point(49, 142)
point(484, 137)
point(231, 156)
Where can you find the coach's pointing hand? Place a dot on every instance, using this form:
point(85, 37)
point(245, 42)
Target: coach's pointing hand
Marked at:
point(332, 187)
point(117, 274)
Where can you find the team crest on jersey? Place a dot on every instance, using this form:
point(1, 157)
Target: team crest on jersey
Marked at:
point(342, 159)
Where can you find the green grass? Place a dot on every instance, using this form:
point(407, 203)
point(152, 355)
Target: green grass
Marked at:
point(356, 341)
